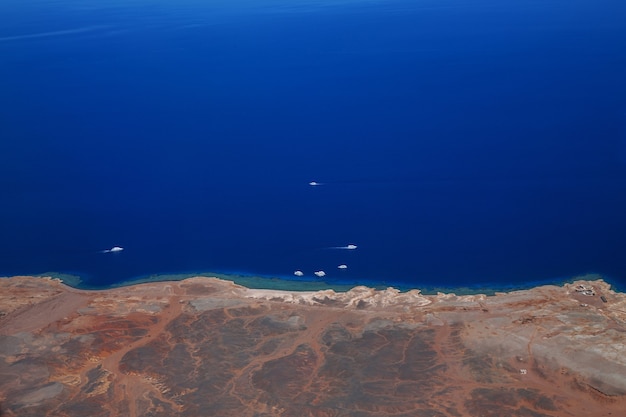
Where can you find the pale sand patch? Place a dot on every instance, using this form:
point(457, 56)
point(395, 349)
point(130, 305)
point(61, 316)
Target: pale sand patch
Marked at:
point(33, 317)
point(40, 395)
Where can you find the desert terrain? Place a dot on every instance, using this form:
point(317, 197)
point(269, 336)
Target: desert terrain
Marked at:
point(208, 347)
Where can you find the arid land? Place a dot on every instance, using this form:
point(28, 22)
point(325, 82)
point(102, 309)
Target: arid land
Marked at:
point(208, 347)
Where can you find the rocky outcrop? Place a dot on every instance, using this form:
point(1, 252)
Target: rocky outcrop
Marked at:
point(358, 297)
point(204, 346)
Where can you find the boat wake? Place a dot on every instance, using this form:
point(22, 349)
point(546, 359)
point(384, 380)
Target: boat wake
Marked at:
point(347, 247)
point(113, 249)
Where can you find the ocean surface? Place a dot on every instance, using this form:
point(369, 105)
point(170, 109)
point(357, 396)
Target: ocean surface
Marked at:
point(455, 142)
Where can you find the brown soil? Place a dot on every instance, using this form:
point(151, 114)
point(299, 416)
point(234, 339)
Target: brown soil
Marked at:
point(205, 347)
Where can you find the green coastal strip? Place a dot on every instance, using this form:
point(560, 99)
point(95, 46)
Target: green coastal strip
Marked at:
point(248, 281)
point(284, 284)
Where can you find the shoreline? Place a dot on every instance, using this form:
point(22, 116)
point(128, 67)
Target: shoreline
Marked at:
point(257, 282)
point(551, 345)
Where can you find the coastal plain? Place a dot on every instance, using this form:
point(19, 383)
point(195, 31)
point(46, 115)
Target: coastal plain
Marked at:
point(208, 347)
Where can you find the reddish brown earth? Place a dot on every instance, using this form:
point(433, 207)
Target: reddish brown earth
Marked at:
point(206, 347)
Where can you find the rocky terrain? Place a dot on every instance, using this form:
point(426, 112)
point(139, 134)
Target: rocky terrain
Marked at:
point(207, 347)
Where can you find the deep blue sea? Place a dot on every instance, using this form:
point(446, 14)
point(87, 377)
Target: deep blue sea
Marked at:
point(456, 142)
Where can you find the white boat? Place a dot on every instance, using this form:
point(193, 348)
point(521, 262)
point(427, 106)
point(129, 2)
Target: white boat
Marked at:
point(113, 249)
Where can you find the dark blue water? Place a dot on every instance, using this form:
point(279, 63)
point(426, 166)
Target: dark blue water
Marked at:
point(458, 142)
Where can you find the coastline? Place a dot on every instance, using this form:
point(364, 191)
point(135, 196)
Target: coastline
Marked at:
point(258, 282)
point(554, 345)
